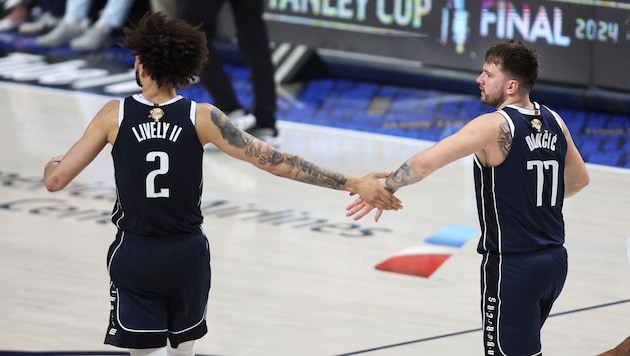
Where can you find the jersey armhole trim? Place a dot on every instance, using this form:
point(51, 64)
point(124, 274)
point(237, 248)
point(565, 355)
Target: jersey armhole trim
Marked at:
point(193, 112)
point(509, 121)
point(121, 111)
point(556, 117)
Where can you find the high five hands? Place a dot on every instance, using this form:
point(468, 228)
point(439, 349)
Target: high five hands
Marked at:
point(360, 208)
point(376, 197)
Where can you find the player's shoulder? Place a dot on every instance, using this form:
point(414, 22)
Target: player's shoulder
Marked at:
point(205, 108)
point(109, 110)
point(490, 120)
point(112, 104)
point(485, 129)
point(493, 115)
point(208, 110)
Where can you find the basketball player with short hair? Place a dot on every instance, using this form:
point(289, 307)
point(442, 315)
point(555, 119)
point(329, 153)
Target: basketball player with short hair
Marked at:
point(525, 165)
point(159, 263)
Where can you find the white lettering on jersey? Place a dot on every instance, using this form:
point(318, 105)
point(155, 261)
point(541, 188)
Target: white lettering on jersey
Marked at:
point(545, 140)
point(155, 129)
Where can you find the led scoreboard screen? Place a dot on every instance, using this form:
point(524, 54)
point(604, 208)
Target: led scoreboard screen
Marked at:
point(581, 42)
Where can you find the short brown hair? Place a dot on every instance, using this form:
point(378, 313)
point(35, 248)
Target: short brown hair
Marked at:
point(516, 60)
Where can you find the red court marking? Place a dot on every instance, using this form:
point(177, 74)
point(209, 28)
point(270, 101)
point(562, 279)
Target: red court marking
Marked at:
point(421, 265)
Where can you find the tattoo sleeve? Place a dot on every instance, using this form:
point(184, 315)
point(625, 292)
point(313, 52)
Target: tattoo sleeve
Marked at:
point(401, 177)
point(229, 132)
point(308, 172)
point(505, 139)
point(297, 168)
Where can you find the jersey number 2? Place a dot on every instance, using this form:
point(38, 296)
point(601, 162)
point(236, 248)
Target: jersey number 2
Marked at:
point(539, 167)
point(162, 159)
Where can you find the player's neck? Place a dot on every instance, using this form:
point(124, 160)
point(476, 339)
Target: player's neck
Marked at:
point(518, 101)
point(158, 95)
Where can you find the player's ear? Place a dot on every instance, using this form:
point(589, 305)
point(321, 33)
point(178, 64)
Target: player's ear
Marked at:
point(142, 71)
point(139, 66)
point(512, 86)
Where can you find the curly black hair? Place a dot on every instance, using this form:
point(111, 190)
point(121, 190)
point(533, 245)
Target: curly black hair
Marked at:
point(171, 51)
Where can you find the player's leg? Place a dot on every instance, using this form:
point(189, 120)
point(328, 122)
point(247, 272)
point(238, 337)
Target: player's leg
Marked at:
point(518, 293)
point(184, 349)
point(161, 351)
point(511, 316)
point(490, 283)
point(518, 316)
point(557, 262)
point(190, 276)
point(138, 315)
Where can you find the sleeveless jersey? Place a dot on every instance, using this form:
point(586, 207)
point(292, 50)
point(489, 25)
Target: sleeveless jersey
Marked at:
point(158, 167)
point(520, 201)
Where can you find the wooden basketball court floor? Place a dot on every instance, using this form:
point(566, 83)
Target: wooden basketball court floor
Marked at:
point(305, 284)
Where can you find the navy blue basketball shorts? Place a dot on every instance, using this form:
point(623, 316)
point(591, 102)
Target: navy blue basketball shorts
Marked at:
point(159, 289)
point(517, 294)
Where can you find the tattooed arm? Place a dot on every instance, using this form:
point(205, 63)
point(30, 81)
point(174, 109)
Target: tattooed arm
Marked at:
point(487, 136)
point(213, 126)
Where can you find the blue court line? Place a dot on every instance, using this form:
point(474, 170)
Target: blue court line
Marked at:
point(476, 330)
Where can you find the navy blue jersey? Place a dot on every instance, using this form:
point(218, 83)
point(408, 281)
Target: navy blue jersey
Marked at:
point(158, 167)
point(520, 201)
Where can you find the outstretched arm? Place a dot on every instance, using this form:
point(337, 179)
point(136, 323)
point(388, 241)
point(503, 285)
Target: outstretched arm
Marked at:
point(483, 135)
point(411, 171)
point(215, 127)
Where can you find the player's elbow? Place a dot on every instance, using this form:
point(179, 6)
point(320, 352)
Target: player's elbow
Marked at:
point(573, 186)
point(53, 183)
point(581, 184)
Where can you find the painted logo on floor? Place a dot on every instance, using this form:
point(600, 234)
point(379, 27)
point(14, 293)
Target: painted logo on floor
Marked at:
point(423, 261)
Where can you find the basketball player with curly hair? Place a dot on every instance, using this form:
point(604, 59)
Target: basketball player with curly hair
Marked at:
point(159, 262)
